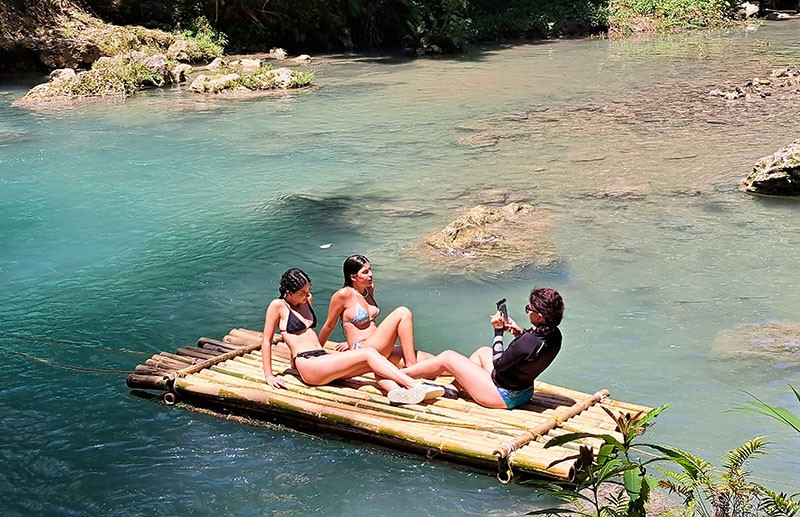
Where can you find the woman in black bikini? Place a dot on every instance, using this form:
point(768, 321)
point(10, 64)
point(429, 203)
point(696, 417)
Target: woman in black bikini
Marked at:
point(292, 314)
point(503, 378)
point(354, 304)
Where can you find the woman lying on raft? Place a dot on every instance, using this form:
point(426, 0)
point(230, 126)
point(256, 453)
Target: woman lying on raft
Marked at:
point(497, 378)
point(354, 304)
point(292, 314)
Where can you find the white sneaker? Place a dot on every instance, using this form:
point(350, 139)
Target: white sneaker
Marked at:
point(433, 390)
point(414, 395)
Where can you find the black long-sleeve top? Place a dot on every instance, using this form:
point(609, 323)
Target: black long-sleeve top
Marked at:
point(527, 356)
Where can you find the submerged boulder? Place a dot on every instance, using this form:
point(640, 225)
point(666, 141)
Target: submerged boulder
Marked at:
point(493, 238)
point(777, 174)
point(776, 344)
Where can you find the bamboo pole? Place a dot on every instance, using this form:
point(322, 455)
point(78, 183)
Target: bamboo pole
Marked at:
point(338, 417)
point(224, 357)
point(578, 424)
point(147, 382)
point(506, 448)
point(416, 413)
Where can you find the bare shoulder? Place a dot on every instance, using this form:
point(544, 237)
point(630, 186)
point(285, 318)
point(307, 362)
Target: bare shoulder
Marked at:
point(275, 305)
point(340, 296)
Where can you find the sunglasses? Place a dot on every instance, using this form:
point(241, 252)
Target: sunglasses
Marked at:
point(529, 309)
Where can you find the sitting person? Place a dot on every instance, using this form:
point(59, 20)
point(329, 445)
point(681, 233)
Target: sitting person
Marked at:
point(293, 315)
point(354, 304)
point(498, 378)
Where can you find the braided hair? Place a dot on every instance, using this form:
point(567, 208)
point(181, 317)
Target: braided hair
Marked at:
point(292, 281)
point(351, 266)
point(549, 304)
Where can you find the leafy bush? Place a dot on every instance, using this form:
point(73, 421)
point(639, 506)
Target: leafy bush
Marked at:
point(663, 16)
point(209, 43)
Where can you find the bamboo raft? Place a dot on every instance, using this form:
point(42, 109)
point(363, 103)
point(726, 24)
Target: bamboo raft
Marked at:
point(228, 374)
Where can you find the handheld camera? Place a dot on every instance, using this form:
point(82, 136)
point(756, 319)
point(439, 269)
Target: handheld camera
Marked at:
point(501, 306)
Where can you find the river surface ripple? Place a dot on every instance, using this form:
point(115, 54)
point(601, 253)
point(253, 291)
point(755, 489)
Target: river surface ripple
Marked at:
point(134, 227)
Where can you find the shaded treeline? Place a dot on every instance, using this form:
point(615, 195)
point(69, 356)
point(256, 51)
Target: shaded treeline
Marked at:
point(430, 26)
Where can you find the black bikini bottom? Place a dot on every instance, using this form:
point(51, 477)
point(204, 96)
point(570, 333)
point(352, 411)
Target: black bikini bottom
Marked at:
point(310, 353)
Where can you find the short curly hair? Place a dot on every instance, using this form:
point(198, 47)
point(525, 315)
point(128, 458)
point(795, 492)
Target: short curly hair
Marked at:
point(549, 304)
point(292, 281)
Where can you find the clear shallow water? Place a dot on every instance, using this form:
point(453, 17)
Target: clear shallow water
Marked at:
point(131, 228)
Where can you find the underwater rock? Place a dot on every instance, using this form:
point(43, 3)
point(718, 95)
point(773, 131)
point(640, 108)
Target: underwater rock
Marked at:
point(479, 140)
point(493, 239)
point(777, 174)
point(493, 196)
point(777, 343)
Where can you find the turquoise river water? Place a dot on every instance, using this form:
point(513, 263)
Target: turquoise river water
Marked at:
point(134, 227)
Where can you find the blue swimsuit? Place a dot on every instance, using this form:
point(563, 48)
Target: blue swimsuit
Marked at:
point(362, 318)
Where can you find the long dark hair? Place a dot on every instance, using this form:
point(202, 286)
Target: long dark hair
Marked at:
point(352, 265)
point(550, 305)
point(292, 281)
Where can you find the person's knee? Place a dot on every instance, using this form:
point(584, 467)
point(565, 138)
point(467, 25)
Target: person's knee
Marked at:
point(368, 351)
point(448, 356)
point(404, 312)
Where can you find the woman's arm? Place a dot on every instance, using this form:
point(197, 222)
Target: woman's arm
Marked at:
point(270, 323)
point(335, 310)
point(498, 324)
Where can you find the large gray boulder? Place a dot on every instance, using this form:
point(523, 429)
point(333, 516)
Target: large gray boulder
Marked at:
point(777, 174)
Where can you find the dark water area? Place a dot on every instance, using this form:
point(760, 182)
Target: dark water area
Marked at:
point(133, 227)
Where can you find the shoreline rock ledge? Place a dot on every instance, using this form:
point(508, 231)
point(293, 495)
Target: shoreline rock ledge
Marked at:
point(777, 174)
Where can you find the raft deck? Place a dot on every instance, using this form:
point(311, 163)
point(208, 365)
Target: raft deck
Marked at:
point(229, 374)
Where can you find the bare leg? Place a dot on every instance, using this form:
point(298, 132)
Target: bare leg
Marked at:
point(471, 376)
point(396, 356)
point(399, 324)
point(327, 368)
point(483, 357)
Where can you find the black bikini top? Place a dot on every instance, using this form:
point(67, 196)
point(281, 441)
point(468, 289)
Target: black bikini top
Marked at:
point(295, 325)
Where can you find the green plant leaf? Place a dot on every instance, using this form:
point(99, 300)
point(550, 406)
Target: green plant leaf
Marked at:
point(572, 437)
point(633, 482)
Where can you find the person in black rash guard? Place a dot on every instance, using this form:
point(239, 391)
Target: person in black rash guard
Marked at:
point(503, 378)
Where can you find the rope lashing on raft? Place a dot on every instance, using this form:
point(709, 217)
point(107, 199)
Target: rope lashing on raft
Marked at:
point(505, 449)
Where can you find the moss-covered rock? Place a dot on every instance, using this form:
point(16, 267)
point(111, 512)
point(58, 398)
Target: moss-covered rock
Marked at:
point(109, 77)
point(237, 77)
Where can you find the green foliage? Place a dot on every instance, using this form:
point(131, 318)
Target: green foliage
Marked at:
point(709, 492)
point(208, 43)
point(439, 26)
point(494, 21)
point(425, 26)
point(301, 79)
point(616, 465)
point(780, 414)
point(663, 16)
point(776, 504)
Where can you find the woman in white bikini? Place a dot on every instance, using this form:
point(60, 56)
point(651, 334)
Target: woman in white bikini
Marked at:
point(355, 305)
point(292, 314)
